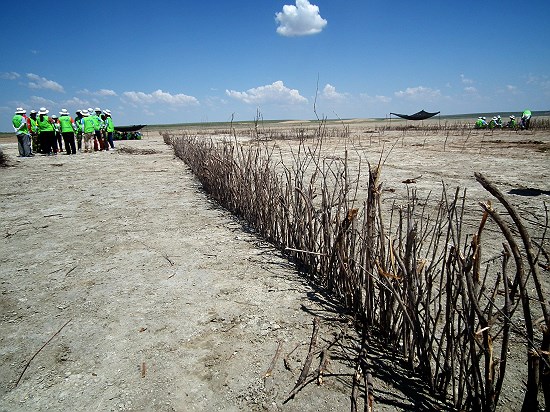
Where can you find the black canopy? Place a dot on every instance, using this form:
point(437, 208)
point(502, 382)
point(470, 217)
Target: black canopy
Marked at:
point(421, 115)
point(133, 128)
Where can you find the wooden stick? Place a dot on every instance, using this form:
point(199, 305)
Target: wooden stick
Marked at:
point(274, 360)
point(39, 350)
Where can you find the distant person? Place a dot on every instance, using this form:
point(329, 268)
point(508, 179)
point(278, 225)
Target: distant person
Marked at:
point(98, 126)
point(88, 131)
point(109, 128)
point(512, 124)
point(78, 124)
point(493, 123)
point(499, 121)
point(526, 119)
point(35, 141)
point(22, 128)
point(481, 123)
point(68, 127)
point(57, 131)
point(48, 143)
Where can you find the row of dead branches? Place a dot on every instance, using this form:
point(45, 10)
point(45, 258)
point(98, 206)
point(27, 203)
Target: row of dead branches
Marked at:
point(413, 272)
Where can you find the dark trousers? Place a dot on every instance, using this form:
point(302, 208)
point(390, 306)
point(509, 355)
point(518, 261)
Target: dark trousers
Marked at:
point(48, 142)
point(24, 144)
point(110, 139)
point(70, 145)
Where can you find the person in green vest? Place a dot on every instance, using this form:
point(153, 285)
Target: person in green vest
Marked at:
point(57, 131)
point(98, 126)
point(481, 123)
point(110, 128)
point(47, 132)
point(67, 131)
point(35, 141)
point(512, 122)
point(88, 131)
point(22, 129)
point(525, 119)
point(78, 124)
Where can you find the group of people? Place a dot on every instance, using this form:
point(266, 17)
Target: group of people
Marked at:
point(40, 133)
point(496, 122)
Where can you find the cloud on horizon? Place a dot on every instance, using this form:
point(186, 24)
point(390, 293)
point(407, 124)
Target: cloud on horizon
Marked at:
point(158, 96)
point(38, 82)
point(330, 93)
point(303, 19)
point(418, 93)
point(9, 75)
point(276, 92)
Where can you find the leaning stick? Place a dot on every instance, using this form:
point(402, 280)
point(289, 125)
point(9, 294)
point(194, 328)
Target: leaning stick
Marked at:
point(38, 351)
point(307, 363)
point(274, 360)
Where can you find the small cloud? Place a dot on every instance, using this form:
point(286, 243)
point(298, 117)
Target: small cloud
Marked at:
point(375, 99)
point(418, 93)
point(470, 90)
point(330, 93)
point(41, 101)
point(276, 93)
point(465, 80)
point(159, 96)
point(300, 20)
point(9, 75)
point(37, 82)
point(511, 88)
point(34, 51)
point(100, 92)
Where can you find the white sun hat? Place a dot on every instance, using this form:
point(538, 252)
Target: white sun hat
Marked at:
point(43, 110)
point(64, 112)
point(85, 113)
point(97, 109)
point(20, 110)
point(107, 111)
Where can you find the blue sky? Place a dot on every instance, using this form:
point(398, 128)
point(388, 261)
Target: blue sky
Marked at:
point(153, 62)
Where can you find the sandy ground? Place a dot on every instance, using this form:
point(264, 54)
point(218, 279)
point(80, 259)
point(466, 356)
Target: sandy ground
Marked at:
point(172, 304)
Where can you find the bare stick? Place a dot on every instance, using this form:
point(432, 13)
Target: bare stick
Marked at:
point(39, 350)
point(274, 360)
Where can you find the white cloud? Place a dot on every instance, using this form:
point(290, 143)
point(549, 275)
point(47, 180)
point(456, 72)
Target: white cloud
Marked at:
point(37, 82)
point(41, 101)
point(330, 93)
point(9, 75)
point(300, 20)
point(271, 93)
point(418, 93)
point(465, 80)
point(100, 92)
point(159, 96)
point(470, 89)
point(375, 99)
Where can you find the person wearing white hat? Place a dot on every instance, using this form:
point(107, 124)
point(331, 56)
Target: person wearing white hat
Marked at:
point(48, 144)
point(78, 124)
point(22, 129)
point(34, 132)
point(88, 131)
point(110, 128)
point(68, 127)
point(57, 131)
point(98, 125)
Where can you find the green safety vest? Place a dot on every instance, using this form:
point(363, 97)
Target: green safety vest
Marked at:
point(17, 120)
point(89, 124)
point(78, 124)
point(110, 125)
point(44, 125)
point(97, 122)
point(34, 125)
point(66, 124)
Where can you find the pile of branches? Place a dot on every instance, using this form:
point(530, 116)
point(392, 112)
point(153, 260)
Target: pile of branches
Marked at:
point(416, 276)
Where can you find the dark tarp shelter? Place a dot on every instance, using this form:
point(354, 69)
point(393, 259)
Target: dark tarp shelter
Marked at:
point(421, 115)
point(133, 128)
